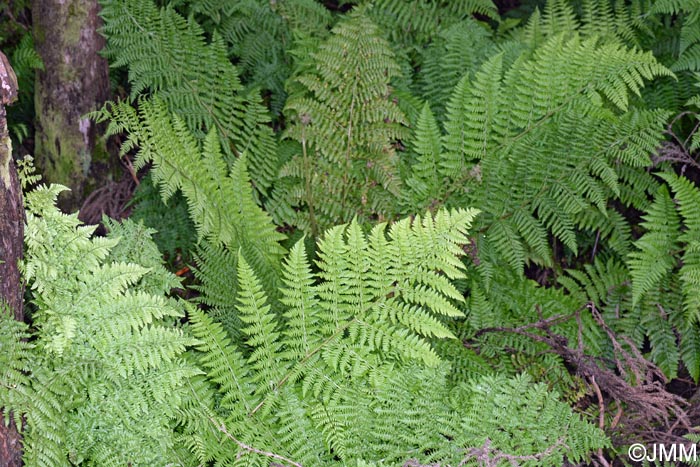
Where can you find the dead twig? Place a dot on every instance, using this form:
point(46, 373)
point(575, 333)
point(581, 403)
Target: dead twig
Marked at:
point(222, 428)
point(486, 456)
point(633, 381)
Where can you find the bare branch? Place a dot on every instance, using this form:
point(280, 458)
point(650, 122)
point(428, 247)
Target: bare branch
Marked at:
point(222, 428)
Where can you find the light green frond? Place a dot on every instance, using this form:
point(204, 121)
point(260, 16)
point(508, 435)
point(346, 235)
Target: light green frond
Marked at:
point(260, 329)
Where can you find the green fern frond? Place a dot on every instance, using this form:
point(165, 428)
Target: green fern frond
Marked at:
point(15, 361)
point(542, 421)
point(689, 46)
point(656, 258)
point(168, 56)
point(224, 365)
point(544, 193)
point(346, 123)
point(457, 51)
point(687, 198)
point(220, 202)
point(107, 351)
point(412, 24)
point(257, 33)
point(299, 295)
point(25, 62)
point(260, 329)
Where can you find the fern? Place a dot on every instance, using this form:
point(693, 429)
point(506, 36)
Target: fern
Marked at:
point(15, 361)
point(689, 46)
point(345, 123)
point(456, 51)
point(106, 356)
point(664, 270)
point(659, 250)
point(257, 33)
point(220, 202)
point(655, 260)
point(538, 412)
point(25, 61)
point(612, 21)
point(344, 371)
point(175, 232)
point(167, 55)
point(547, 113)
point(411, 25)
point(372, 341)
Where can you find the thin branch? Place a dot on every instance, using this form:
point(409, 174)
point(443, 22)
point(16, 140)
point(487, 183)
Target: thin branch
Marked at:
point(222, 428)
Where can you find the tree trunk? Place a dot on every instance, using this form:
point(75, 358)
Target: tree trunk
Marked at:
point(74, 81)
point(11, 243)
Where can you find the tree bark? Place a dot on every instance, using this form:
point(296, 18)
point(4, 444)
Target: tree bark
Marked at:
point(11, 243)
point(75, 80)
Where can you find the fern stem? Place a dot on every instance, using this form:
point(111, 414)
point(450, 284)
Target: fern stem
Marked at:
point(309, 193)
point(348, 164)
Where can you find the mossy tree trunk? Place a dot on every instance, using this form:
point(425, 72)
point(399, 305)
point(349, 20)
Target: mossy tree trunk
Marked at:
point(11, 243)
point(74, 81)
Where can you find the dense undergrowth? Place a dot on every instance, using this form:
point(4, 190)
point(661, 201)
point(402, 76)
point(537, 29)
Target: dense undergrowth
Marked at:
point(421, 233)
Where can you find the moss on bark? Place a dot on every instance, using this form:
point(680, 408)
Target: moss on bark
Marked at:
point(74, 81)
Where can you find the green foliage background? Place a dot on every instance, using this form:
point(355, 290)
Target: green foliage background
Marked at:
point(395, 212)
